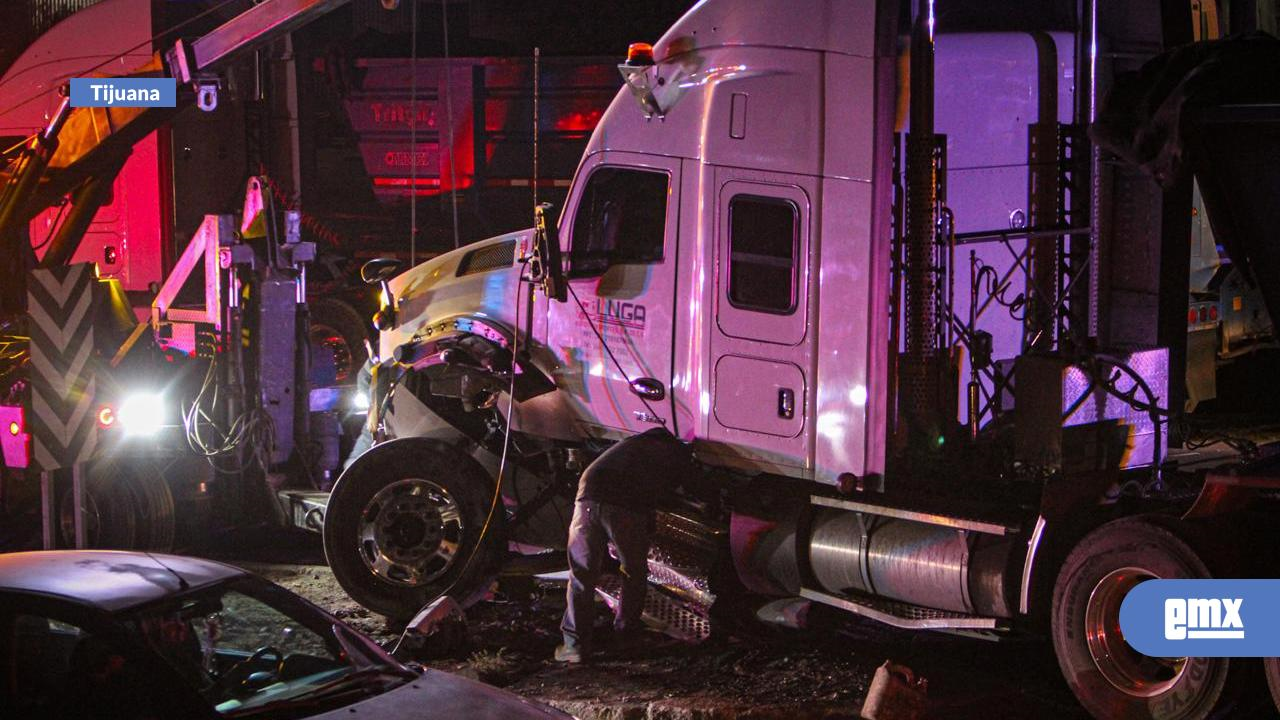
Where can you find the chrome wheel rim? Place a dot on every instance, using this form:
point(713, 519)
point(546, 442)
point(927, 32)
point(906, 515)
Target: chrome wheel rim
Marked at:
point(411, 532)
point(1128, 670)
point(323, 336)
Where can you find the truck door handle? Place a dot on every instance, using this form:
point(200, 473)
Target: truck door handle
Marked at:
point(786, 403)
point(648, 388)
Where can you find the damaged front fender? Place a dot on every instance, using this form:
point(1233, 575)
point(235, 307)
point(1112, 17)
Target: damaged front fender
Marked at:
point(471, 359)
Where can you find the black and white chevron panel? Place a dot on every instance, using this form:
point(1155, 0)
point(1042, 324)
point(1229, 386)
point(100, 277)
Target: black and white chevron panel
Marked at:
point(61, 417)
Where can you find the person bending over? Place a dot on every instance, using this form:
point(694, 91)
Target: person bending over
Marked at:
point(617, 496)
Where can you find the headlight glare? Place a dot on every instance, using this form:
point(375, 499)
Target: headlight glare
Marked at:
point(142, 414)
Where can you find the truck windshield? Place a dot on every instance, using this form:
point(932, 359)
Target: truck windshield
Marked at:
point(246, 646)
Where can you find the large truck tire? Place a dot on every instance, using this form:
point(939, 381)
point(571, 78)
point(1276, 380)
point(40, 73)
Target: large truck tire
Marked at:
point(127, 503)
point(1271, 666)
point(339, 329)
point(405, 524)
point(1111, 679)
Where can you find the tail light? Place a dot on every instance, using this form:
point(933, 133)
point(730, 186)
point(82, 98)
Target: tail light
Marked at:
point(14, 451)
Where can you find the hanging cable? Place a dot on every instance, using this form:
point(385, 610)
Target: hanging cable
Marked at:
point(496, 500)
point(537, 99)
point(253, 428)
point(599, 336)
point(53, 226)
point(448, 117)
point(413, 134)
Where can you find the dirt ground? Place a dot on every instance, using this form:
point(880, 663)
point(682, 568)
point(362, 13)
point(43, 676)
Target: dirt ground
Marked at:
point(760, 672)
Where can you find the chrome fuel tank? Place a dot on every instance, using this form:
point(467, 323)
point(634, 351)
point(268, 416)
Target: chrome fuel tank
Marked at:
point(928, 565)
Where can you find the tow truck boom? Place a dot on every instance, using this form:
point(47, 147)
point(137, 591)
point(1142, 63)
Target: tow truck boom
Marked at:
point(82, 149)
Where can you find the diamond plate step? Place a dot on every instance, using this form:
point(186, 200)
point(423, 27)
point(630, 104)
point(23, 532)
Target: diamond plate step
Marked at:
point(679, 619)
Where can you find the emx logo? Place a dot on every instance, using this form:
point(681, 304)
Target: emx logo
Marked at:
point(1203, 619)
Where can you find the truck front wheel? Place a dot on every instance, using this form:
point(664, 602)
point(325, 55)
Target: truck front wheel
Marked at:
point(406, 523)
point(1109, 677)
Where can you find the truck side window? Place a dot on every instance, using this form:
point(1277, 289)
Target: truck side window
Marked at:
point(764, 238)
point(621, 220)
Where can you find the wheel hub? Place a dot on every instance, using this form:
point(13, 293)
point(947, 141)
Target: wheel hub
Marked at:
point(1128, 670)
point(410, 532)
point(331, 340)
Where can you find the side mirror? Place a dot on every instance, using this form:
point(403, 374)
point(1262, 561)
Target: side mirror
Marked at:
point(379, 270)
point(546, 266)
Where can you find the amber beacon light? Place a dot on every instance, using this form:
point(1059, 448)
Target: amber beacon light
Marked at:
point(639, 54)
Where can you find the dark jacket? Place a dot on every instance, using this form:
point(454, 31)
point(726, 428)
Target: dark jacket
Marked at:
point(639, 472)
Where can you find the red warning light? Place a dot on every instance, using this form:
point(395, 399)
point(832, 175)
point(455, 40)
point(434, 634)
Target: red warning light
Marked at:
point(14, 428)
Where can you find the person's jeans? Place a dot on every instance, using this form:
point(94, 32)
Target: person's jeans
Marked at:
point(594, 526)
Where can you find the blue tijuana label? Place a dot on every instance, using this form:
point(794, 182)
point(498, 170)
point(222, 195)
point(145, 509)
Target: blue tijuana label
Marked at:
point(124, 92)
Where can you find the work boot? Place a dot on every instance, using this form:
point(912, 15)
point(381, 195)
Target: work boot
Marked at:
point(567, 654)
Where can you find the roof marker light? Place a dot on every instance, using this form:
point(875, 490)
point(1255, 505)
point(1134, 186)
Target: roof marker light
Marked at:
point(639, 54)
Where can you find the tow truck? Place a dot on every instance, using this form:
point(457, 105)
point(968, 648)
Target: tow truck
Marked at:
point(204, 405)
point(334, 136)
point(929, 336)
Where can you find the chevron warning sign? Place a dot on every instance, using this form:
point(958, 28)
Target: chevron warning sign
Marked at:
point(61, 420)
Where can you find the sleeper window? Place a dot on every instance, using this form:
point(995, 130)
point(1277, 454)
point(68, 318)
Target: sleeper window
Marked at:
point(763, 243)
point(621, 219)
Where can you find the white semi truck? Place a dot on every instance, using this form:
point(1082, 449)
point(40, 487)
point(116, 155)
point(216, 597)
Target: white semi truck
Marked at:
point(871, 282)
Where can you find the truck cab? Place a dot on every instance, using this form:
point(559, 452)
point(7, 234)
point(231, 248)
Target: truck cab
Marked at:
point(692, 240)
point(695, 240)
point(732, 246)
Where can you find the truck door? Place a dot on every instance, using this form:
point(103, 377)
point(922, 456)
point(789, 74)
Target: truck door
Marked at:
point(619, 233)
point(760, 344)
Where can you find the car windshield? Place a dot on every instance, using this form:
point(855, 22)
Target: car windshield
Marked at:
point(247, 647)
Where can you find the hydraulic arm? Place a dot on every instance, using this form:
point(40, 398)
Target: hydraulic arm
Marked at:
point(82, 149)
